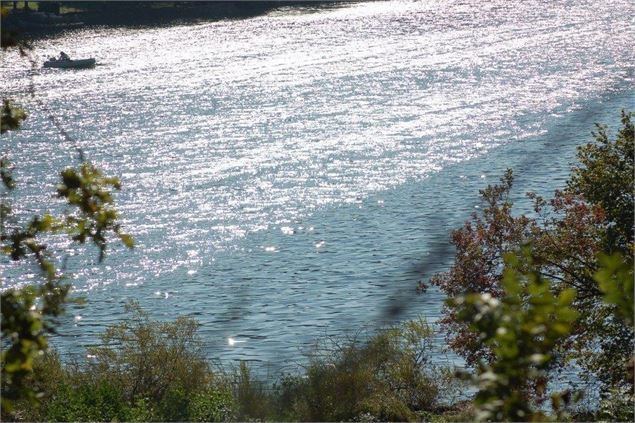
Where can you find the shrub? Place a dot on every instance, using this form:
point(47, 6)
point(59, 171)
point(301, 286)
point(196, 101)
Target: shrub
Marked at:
point(522, 328)
point(385, 377)
point(213, 405)
point(144, 371)
point(251, 396)
point(87, 402)
point(154, 371)
point(143, 411)
point(606, 176)
point(151, 359)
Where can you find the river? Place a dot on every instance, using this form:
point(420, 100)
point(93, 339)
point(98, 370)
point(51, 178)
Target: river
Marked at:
point(295, 174)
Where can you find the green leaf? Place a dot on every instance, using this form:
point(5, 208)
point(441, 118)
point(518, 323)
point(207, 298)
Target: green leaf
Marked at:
point(566, 297)
point(127, 240)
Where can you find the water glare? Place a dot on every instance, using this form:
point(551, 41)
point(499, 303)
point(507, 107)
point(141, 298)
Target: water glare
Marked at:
point(287, 174)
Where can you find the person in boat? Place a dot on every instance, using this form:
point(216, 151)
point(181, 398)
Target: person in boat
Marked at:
point(64, 56)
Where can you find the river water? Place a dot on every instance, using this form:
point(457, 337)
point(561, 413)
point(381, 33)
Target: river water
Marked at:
point(295, 174)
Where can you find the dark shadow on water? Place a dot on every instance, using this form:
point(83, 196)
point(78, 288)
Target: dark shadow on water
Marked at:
point(541, 164)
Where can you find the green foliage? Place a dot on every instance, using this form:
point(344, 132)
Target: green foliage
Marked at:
point(617, 405)
point(251, 396)
point(28, 314)
point(615, 278)
point(151, 359)
point(23, 328)
point(571, 235)
point(11, 117)
point(214, 405)
point(387, 377)
point(605, 177)
point(87, 192)
point(153, 371)
point(101, 401)
point(144, 370)
point(522, 328)
point(142, 411)
point(86, 189)
point(211, 404)
point(174, 405)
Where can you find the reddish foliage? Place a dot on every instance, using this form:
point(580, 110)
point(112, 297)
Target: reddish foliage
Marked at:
point(565, 235)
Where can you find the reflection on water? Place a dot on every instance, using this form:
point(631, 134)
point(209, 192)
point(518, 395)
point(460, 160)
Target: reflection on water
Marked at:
point(297, 173)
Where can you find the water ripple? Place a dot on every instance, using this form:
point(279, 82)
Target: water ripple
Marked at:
point(290, 173)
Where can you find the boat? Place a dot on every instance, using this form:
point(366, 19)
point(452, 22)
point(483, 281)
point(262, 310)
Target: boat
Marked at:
point(69, 63)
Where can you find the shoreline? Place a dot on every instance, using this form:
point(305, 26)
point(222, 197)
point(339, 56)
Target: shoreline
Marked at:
point(35, 25)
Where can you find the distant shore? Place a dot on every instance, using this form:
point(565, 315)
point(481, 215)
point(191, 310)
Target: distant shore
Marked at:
point(33, 23)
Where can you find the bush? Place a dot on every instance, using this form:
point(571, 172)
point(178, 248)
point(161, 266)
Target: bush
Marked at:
point(99, 402)
point(522, 327)
point(154, 371)
point(213, 405)
point(583, 229)
point(144, 371)
point(150, 359)
point(173, 405)
point(251, 396)
point(386, 377)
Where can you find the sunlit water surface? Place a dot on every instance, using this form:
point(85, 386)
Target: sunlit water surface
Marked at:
point(296, 174)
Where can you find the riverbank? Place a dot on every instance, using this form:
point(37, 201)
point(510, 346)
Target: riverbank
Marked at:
point(341, 382)
point(34, 24)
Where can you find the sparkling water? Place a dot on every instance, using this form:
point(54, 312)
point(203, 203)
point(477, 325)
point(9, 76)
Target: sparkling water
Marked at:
point(296, 174)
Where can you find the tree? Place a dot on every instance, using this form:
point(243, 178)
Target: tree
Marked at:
point(605, 177)
point(591, 218)
point(29, 313)
point(521, 328)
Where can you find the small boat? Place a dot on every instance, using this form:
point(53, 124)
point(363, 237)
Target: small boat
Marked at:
point(69, 63)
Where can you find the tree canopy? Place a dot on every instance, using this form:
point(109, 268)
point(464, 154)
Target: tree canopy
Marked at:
point(580, 241)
